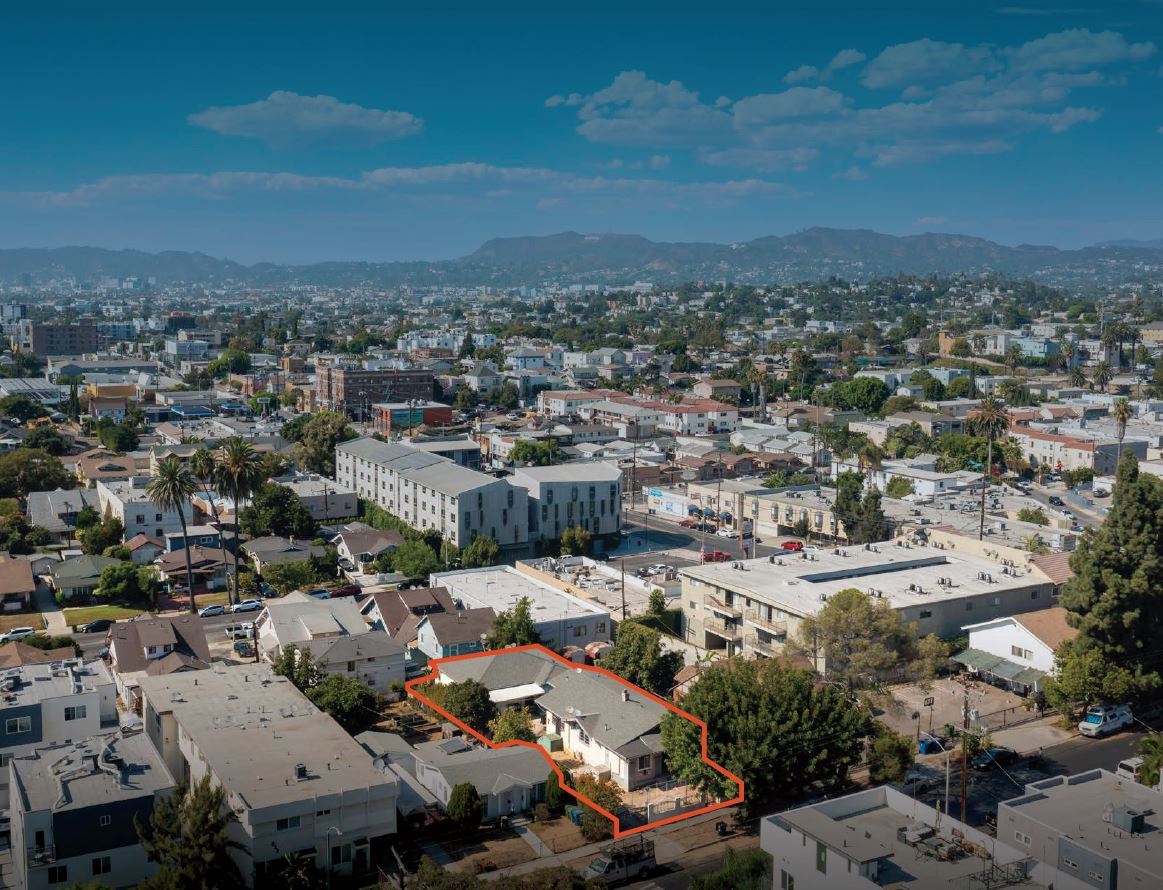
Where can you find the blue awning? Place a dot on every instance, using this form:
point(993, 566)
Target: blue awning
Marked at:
point(707, 511)
point(726, 517)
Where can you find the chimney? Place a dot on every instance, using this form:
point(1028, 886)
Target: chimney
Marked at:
point(625, 695)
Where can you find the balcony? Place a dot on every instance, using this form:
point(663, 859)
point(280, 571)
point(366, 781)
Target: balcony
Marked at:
point(764, 647)
point(725, 629)
point(717, 605)
point(776, 628)
point(41, 855)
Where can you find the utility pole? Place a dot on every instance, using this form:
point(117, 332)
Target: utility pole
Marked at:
point(623, 561)
point(965, 753)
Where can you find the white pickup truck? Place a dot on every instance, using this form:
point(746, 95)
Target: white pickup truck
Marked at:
point(623, 862)
point(1102, 720)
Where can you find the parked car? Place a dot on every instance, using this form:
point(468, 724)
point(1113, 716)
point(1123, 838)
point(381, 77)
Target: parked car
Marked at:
point(690, 523)
point(320, 593)
point(1102, 720)
point(244, 649)
point(17, 633)
point(95, 627)
point(244, 631)
point(727, 533)
point(1055, 501)
point(660, 568)
point(623, 862)
point(247, 606)
point(211, 611)
point(793, 546)
point(987, 760)
point(716, 556)
point(1101, 493)
point(346, 590)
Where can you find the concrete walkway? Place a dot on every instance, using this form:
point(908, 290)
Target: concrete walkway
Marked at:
point(436, 853)
point(530, 837)
point(54, 617)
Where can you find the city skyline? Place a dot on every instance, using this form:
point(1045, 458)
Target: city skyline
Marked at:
point(273, 135)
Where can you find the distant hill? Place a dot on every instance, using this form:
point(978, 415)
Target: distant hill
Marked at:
point(570, 257)
point(1156, 244)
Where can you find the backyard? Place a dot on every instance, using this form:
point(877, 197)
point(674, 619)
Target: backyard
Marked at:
point(489, 850)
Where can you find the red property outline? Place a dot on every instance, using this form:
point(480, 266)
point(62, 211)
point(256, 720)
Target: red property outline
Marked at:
point(618, 830)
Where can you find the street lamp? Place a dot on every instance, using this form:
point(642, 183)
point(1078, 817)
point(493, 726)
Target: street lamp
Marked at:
point(944, 751)
point(338, 834)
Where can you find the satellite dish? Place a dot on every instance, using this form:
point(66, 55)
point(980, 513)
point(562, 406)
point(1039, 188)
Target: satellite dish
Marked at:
point(689, 476)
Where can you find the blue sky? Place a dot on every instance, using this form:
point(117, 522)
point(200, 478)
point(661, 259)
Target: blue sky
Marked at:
point(341, 132)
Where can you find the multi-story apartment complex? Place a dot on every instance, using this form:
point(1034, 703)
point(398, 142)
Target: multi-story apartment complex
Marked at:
point(584, 495)
point(431, 492)
point(53, 338)
point(1060, 452)
point(73, 808)
point(129, 501)
point(300, 786)
point(356, 389)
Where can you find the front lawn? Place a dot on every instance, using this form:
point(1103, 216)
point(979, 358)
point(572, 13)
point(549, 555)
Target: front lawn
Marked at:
point(85, 614)
point(24, 619)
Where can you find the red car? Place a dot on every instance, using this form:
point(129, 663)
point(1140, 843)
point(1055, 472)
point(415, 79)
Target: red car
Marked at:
point(689, 523)
point(716, 556)
point(794, 546)
point(348, 590)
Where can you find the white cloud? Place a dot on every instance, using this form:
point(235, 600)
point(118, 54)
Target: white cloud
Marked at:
point(635, 110)
point(765, 159)
point(284, 118)
point(795, 102)
point(852, 174)
point(930, 221)
point(658, 162)
point(920, 150)
point(846, 58)
point(926, 61)
point(1078, 48)
point(799, 75)
point(568, 101)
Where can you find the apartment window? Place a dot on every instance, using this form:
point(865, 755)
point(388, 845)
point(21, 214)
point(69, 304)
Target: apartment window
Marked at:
point(1034, 594)
point(821, 858)
point(105, 821)
point(601, 628)
point(644, 763)
point(157, 517)
point(351, 667)
point(510, 496)
point(579, 630)
point(58, 874)
point(321, 813)
point(786, 881)
point(15, 725)
point(969, 607)
point(1022, 838)
point(77, 712)
point(139, 518)
point(102, 865)
point(287, 824)
point(926, 613)
point(581, 734)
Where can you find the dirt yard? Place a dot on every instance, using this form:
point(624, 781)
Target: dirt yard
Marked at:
point(996, 707)
point(499, 848)
point(558, 834)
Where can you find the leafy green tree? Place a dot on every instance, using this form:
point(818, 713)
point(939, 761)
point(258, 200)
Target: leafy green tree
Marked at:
point(741, 870)
point(774, 726)
point(506, 396)
point(415, 559)
point(48, 643)
point(483, 551)
point(47, 439)
point(32, 469)
point(555, 798)
point(539, 454)
point(899, 487)
point(656, 604)
point(576, 541)
point(290, 576)
point(960, 388)
point(232, 361)
point(22, 408)
point(188, 836)
point(637, 657)
point(873, 525)
point(119, 437)
point(318, 438)
point(1035, 515)
point(299, 666)
point(125, 583)
point(866, 394)
point(171, 488)
point(512, 724)
point(1083, 676)
point(847, 504)
point(890, 756)
point(236, 474)
point(464, 805)
point(859, 639)
point(347, 699)
point(606, 794)
point(514, 627)
point(469, 702)
point(1151, 750)
point(276, 510)
point(96, 539)
point(1115, 598)
point(465, 399)
point(87, 517)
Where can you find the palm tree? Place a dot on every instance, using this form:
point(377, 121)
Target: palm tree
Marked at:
point(990, 420)
point(236, 475)
point(1151, 750)
point(170, 488)
point(202, 466)
point(1069, 351)
point(1076, 376)
point(1122, 414)
point(1034, 544)
point(870, 457)
point(1014, 359)
point(1101, 375)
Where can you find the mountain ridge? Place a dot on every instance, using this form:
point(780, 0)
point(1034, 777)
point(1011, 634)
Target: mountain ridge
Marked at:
point(613, 258)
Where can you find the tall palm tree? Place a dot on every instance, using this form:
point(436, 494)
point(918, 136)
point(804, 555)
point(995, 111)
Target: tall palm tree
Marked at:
point(1151, 750)
point(170, 489)
point(990, 420)
point(1076, 376)
point(1101, 375)
point(1014, 359)
point(870, 457)
point(202, 466)
point(1121, 412)
point(237, 474)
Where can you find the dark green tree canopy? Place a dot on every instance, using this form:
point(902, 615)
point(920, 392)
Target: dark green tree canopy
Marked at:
point(276, 510)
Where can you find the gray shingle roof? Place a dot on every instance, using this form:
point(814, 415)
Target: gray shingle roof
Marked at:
point(597, 703)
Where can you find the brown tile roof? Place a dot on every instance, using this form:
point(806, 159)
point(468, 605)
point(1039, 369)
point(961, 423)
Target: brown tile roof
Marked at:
point(16, 576)
point(1055, 566)
point(1048, 625)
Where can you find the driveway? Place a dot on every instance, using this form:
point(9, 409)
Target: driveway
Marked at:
point(54, 617)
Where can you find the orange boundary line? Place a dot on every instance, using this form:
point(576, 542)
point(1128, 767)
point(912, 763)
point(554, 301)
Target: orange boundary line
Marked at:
point(618, 830)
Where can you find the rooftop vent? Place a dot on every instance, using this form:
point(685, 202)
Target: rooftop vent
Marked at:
point(300, 771)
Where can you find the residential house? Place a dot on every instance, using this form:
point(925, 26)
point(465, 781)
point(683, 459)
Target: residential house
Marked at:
point(208, 536)
point(441, 634)
point(210, 568)
point(336, 635)
point(78, 576)
point(16, 654)
point(399, 612)
point(17, 585)
point(129, 501)
point(582, 495)
point(276, 551)
point(57, 510)
point(154, 647)
point(297, 782)
point(508, 781)
point(74, 808)
point(109, 408)
point(360, 544)
point(714, 388)
point(143, 549)
point(104, 466)
point(931, 424)
point(482, 377)
point(1017, 651)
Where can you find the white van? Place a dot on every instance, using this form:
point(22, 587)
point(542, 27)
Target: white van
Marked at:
point(1102, 720)
point(1131, 769)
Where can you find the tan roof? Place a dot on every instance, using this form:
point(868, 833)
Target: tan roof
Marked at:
point(1048, 625)
point(16, 654)
point(1055, 566)
point(16, 576)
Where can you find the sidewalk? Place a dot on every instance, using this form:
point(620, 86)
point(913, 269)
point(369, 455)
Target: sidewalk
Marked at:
point(1028, 738)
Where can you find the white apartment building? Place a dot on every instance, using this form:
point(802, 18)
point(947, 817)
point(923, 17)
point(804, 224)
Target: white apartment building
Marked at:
point(585, 495)
point(1059, 452)
point(431, 492)
point(128, 500)
point(299, 784)
point(450, 340)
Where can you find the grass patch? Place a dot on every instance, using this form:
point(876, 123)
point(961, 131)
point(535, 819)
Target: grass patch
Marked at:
point(25, 619)
point(85, 614)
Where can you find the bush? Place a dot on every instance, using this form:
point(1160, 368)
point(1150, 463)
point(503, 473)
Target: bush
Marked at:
point(899, 487)
point(540, 813)
point(464, 805)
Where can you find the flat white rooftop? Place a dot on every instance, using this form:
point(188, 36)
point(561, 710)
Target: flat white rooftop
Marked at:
point(502, 587)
